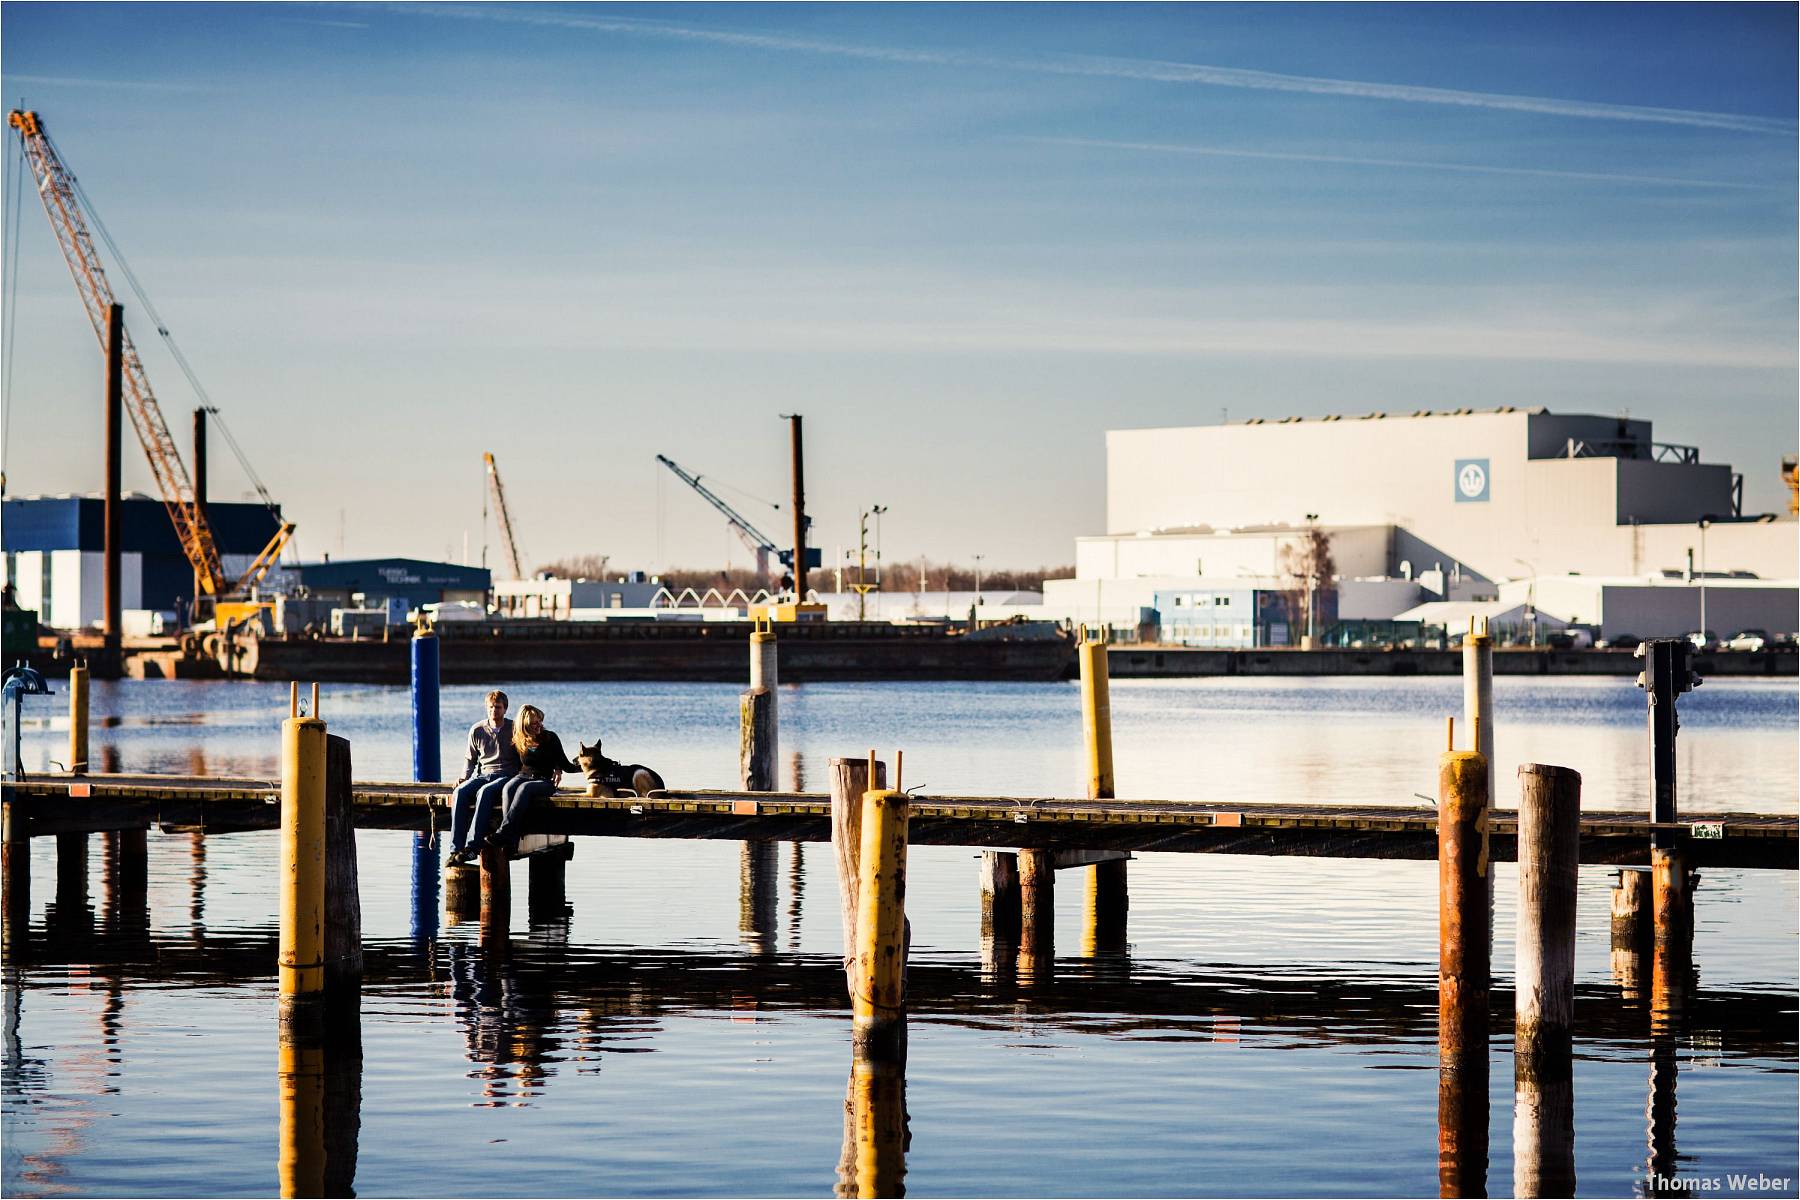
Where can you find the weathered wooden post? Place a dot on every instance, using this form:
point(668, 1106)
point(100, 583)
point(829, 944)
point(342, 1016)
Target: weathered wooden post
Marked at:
point(756, 740)
point(15, 877)
point(765, 674)
point(849, 780)
point(1544, 993)
point(1630, 911)
point(1464, 964)
point(1000, 901)
point(872, 1165)
point(878, 1006)
point(496, 890)
point(78, 719)
point(547, 896)
point(302, 949)
point(1665, 677)
point(1478, 715)
point(72, 848)
point(462, 892)
point(1107, 883)
point(1037, 915)
point(343, 896)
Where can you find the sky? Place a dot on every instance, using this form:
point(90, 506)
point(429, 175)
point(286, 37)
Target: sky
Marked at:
point(963, 241)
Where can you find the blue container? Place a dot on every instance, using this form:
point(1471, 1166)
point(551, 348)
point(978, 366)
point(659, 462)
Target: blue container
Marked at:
point(426, 731)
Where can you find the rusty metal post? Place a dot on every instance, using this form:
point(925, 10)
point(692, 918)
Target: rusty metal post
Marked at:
point(1464, 964)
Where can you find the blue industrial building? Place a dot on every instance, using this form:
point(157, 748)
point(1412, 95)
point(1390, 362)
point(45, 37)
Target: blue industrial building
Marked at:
point(371, 582)
point(54, 551)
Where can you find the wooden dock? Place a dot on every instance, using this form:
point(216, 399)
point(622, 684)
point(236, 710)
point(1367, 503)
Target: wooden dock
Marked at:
point(67, 804)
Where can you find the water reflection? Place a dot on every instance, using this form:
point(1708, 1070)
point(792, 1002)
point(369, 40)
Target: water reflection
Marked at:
point(877, 1133)
point(759, 865)
point(319, 1108)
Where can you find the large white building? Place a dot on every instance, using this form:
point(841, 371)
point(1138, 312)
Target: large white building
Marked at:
point(1456, 503)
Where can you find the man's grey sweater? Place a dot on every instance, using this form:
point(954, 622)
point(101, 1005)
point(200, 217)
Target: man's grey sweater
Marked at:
point(491, 749)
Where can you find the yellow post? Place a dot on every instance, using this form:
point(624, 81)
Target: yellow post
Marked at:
point(302, 951)
point(1096, 717)
point(301, 1120)
point(78, 719)
point(878, 1006)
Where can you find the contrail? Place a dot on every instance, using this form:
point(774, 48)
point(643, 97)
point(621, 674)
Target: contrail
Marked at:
point(1418, 164)
point(1149, 70)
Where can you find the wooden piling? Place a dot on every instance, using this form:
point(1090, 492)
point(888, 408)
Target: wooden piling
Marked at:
point(462, 892)
point(872, 1165)
point(496, 889)
point(15, 878)
point(756, 741)
point(1672, 920)
point(849, 780)
point(547, 882)
point(1464, 943)
point(878, 1007)
point(302, 948)
point(343, 896)
point(78, 719)
point(765, 674)
point(1000, 901)
point(1037, 915)
point(1464, 963)
point(1108, 880)
point(1549, 863)
point(1630, 929)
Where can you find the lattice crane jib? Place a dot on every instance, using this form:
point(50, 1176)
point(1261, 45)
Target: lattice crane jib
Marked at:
point(506, 529)
point(56, 188)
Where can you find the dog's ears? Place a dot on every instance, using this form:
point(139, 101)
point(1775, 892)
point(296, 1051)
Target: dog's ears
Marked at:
point(585, 748)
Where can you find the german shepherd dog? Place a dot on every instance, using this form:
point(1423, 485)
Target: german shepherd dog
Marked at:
point(610, 777)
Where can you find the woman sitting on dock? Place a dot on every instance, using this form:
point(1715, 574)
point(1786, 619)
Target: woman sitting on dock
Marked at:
point(542, 762)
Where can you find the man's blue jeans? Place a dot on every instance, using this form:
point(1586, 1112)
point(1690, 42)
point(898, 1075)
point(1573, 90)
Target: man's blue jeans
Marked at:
point(472, 806)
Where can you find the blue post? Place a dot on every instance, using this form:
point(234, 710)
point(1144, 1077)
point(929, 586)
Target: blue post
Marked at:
point(426, 729)
point(426, 769)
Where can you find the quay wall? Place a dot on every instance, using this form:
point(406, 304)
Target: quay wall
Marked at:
point(1157, 662)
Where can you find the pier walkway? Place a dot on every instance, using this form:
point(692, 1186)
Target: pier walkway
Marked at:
point(96, 803)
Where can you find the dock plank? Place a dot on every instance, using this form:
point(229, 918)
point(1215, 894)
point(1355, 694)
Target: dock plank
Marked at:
point(61, 803)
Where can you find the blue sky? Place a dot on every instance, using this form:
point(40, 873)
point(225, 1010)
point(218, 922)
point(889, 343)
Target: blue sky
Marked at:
point(964, 241)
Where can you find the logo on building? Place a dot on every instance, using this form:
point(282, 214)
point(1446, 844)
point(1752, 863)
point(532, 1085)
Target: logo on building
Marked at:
point(1471, 480)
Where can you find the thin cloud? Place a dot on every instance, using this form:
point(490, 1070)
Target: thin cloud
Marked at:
point(328, 24)
point(1149, 70)
point(136, 85)
point(1407, 163)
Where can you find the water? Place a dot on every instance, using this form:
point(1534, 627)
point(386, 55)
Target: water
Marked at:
point(1271, 1030)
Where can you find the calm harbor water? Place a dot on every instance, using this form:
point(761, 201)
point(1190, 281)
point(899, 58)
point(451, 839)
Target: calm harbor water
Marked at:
point(1270, 1030)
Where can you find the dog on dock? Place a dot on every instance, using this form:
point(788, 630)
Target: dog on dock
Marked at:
point(610, 777)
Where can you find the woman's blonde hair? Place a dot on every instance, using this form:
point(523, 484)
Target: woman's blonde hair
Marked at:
point(528, 715)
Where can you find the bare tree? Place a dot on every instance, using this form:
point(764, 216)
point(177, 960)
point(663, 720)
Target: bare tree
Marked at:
point(1307, 566)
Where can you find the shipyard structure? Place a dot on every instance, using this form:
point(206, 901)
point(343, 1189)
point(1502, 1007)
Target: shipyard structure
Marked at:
point(1260, 533)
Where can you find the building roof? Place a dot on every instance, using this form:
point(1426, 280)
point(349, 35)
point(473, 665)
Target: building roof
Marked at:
point(1456, 614)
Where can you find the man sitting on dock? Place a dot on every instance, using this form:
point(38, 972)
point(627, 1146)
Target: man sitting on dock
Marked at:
point(492, 761)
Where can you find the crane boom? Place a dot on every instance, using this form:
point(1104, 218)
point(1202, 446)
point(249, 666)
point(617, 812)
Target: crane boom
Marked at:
point(506, 529)
point(756, 539)
point(56, 188)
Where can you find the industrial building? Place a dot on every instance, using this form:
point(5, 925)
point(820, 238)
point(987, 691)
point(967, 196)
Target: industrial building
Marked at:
point(54, 554)
point(1513, 503)
point(371, 583)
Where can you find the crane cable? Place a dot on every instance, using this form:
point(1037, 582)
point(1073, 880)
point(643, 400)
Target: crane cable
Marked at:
point(162, 329)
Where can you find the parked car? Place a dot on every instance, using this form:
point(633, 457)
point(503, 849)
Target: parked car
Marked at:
point(1749, 639)
point(1625, 641)
point(1703, 640)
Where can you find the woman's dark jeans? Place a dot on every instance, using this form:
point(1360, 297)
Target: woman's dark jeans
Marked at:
point(521, 791)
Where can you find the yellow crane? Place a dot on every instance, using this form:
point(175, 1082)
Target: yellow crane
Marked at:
point(506, 529)
point(63, 204)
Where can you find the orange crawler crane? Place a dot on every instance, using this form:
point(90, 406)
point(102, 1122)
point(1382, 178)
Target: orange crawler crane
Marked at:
point(62, 203)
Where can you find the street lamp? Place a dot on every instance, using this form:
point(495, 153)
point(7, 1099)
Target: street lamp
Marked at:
point(978, 559)
point(1705, 521)
point(878, 510)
